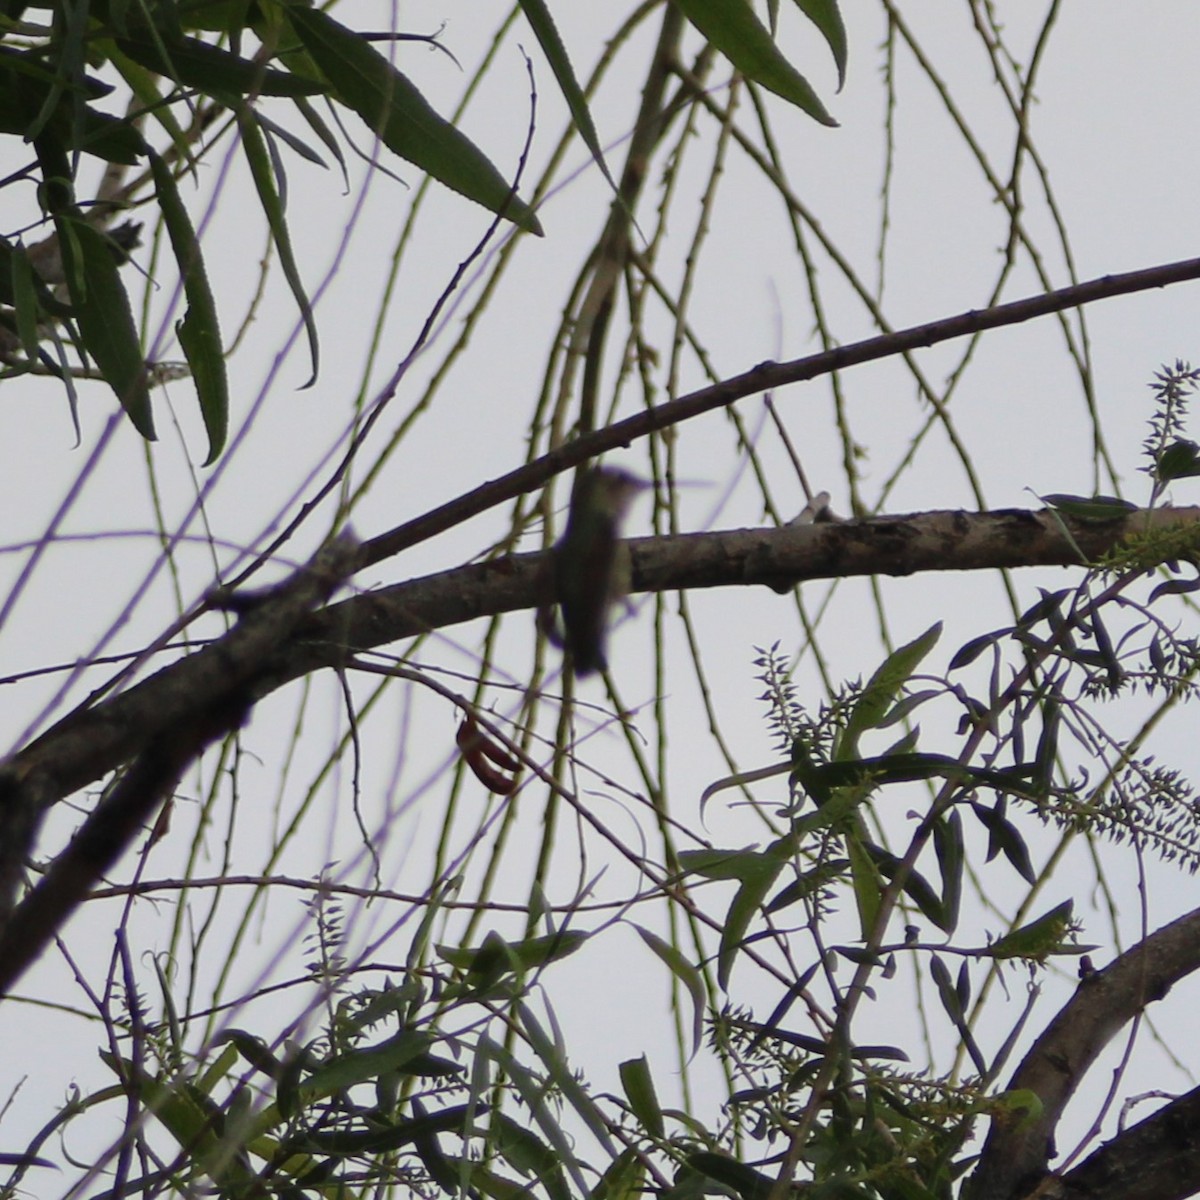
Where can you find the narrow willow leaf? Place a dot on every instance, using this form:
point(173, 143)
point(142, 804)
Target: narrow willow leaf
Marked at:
point(1004, 838)
point(326, 135)
point(906, 768)
point(1091, 510)
point(360, 1066)
point(522, 1150)
point(825, 16)
point(721, 864)
point(1039, 938)
point(1175, 587)
point(918, 889)
point(882, 688)
point(199, 332)
point(948, 844)
point(1047, 749)
point(254, 1050)
point(732, 27)
point(553, 1056)
point(765, 868)
point(259, 160)
point(686, 973)
point(191, 1118)
point(295, 144)
point(496, 953)
point(25, 304)
point(196, 64)
point(952, 1003)
point(1177, 461)
point(970, 651)
point(639, 1091)
point(808, 884)
point(143, 84)
point(548, 1117)
point(104, 318)
point(396, 111)
point(546, 32)
point(624, 1179)
point(868, 887)
point(748, 1183)
point(386, 1138)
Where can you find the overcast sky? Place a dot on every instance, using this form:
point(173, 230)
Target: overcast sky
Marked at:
point(1113, 127)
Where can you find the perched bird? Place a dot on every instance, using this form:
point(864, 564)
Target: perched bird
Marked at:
point(589, 576)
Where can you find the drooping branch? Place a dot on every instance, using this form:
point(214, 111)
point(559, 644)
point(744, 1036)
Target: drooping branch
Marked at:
point(766, 376)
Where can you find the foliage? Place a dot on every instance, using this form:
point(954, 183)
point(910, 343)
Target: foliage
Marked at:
point(908, 833)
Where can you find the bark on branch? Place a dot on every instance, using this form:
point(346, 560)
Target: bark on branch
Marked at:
point(89, 744)
point(1016, 1156)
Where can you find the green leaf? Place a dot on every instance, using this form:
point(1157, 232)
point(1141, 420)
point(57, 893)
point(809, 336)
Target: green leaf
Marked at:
point(868, 887)
point(746, 1181)
point(878, 696)
point(952, 1002)
point(546, 32)
point(199, 332)
point(732, 27)
point(639, 1091)
point(191, 1119)
point(1094, 510)
point(807, 884)
point(396, 111)
point(1175, 587)
point(686, 973)
point(761, 872)
point(553, 1056)
point(386, 1138)
point(970, 651)
point(254, 1050)
point(918, 889)
point(1039, 938)
point(34, 105)
point(495, 956)
point(948, 844)
point(193, 63)
point(624, 1179)
point(104, 317)
point(360, 1066)
point(144, 85)
point(1177, 461)
point(906, 768)
point(825, 16)
point(720, 864)
point(259, 161)
point(25, 303)
point(520, 1147)
point(546, 1115)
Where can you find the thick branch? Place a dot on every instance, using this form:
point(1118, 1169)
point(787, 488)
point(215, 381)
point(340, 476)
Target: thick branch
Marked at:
point(1156, 1159)
point(764, 377)
point(88, 745)
point(158, 728)
point(1016, 1156)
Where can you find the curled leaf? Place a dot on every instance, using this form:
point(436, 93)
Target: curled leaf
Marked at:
point(480, 752)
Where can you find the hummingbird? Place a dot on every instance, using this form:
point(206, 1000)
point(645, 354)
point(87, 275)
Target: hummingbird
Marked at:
point(587, 569)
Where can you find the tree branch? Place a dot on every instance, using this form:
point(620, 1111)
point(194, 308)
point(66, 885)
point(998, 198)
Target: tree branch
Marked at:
point(159, 748)
point(764, 377)
point(1016, 1155)
point(1156, 1159)
point(88, 745)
